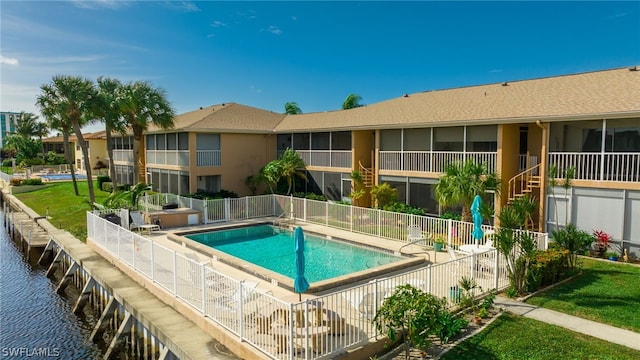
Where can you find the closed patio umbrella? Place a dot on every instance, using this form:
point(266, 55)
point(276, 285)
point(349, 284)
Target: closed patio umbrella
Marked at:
point(300, 284)
point(477, 219)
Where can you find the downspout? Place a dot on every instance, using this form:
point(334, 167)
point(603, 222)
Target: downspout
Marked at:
point(544, 156)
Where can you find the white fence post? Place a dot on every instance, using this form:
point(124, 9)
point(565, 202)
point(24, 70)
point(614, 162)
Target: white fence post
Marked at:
point(227, 210)
point(203, 284)
point(175, 273)
point(495, 268)
point(449, 232)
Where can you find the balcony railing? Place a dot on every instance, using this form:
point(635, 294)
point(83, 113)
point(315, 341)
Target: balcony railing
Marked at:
point(432, 161)
point(123, 155)
point(328, 158)
point(208, 157)
point(168, 157)
point(623, 167)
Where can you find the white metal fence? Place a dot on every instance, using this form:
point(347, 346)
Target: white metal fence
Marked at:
point(322, 327)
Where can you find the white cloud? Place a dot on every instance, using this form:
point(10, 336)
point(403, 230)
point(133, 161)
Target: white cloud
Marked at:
point(184, 6)
point(294, 18)
point(218, 24)
point(8, 61)
point(495, 70)
point(100, 4)
point(254, 89)
point(615, 16)
point(274, 30)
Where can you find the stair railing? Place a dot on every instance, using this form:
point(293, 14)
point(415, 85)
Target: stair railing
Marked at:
point(521, 181)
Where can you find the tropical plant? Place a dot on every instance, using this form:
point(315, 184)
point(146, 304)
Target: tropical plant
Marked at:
point(357, 188)
point(22, 140)
point(383, 194)
point(292, 108)
point(576, 241)
point(140, 105)
point(517, 246)
point(468, 299)
point(109, 111)
point(292, 166)
point(271, 174)
point(461, 182)
point(602, 241)
point(413, 315)
point(125, 199)
point(565, 184)
point(352, 101)
point(71, 99)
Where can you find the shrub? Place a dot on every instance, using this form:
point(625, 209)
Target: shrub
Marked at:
point(576, 241)
point(310, 196)
point(35, 181)
point(206, 195)
point(16, 182)
point(7, 163)
point(452, 216)
point(384, 194)
point(102, 179)
point(106, 186)
point(548, 268)
point(30, 162)
point(403, 208)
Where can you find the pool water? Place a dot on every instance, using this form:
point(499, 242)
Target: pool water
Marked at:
point(273, 249)
point(55, 177)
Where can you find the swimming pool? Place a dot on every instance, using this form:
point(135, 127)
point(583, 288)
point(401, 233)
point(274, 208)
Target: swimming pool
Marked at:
point(273, 249)
point(325, 258)
point(58, 177)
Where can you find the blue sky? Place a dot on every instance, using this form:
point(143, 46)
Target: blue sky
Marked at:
point(264, 54)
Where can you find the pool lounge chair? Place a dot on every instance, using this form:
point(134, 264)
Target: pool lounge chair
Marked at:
point(414, 233)
point(138, 224)
point(366, 302)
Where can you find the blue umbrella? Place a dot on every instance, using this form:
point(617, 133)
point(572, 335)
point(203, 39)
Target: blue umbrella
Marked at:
point(477, 219)
point(300, 284)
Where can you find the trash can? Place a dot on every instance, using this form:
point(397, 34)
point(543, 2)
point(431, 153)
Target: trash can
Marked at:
point(111, 217)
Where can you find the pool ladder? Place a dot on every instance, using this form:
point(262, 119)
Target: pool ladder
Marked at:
point(284, 220)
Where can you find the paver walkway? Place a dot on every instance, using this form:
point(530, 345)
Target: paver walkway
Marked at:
point(609, 333)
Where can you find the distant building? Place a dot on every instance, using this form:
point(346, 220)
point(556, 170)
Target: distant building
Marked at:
point(8, 122)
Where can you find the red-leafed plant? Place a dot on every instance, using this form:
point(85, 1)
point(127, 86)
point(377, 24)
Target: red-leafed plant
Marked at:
point(602, 241)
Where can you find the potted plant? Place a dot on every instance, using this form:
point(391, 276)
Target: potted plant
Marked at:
point(438, 243)
point(613, 256)
point(602, 241)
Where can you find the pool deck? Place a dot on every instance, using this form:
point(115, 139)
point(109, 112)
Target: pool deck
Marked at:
point(164, 237)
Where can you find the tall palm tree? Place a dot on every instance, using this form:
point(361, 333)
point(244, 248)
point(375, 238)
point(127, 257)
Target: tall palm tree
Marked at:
point(292, 108)
point(109, 112)
point(22, 138)
point(57, 122)
point(26, 126)
point(352, 101)
point(72, 98)
point(461, 182)
point(41, 130)
point(292, 165)
point(140, 105)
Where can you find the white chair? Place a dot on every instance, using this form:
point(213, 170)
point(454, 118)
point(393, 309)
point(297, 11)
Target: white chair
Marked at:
point(414, 233)
point(365, 302)
point(137, 223)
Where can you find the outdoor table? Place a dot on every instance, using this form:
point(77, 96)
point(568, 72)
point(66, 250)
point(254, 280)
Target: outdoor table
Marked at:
point(472, 248)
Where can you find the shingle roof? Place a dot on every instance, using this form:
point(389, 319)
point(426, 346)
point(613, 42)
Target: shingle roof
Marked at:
point(228, 117)
point(577, 96)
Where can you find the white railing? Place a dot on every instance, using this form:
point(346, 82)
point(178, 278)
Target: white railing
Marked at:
point(624, 167)
point(123, 155)
point(168, 157)
point(327, 158)
point(432, 161)
point(208, 157)
point(322, 327)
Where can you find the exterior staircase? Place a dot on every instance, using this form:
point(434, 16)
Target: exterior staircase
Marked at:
point(526, 183)
point(367, 175)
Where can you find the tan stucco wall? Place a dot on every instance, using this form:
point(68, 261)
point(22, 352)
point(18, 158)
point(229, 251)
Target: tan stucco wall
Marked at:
point(507, 159)
point(97, 151)
point(363, 146)
point(241, 155)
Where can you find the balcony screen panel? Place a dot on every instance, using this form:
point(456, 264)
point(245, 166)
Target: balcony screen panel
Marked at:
point(172, 141)
point(448, 139)
point(161, 142)
point(184, 183)
point(417, 139)
point(314, 182)
point(576, 136)
point(423, 196)
point(151, 142)
point(301, 141)
point(482, 138)
point(183, 141)
point(320, 141)
point(284, 141)
point(391, 140)
point(174, 183)
point(208, 141)
point(623, 135)
point(341, 140)
point(401, 187)
point(346, 188)
point(332, 186)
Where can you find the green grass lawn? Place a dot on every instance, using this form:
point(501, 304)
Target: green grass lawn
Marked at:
point(514, 337)
point(67, 211)
point(606, 292)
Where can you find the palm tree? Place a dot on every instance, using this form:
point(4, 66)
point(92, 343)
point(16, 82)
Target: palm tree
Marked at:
point(56, 122)
point(352, 101)
point(140, 105)
point(21, 139)
point(292, 165)
point(292, 108)
point(462, 182)
point(73, 98)
point(109, 111)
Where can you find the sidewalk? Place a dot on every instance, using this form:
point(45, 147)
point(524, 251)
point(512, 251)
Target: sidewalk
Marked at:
point(609, 333)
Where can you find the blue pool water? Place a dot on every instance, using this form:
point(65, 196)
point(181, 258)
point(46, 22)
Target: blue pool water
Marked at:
point(56, 177)
point(273, 248)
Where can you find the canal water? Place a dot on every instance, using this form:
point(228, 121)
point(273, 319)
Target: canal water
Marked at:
point(35, 321)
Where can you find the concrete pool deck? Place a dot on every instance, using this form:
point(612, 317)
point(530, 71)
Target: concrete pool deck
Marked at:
point(166, 237)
